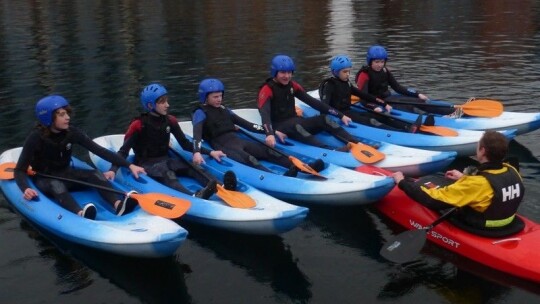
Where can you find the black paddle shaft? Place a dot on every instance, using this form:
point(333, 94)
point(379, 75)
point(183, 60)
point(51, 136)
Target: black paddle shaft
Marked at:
point(80, 182)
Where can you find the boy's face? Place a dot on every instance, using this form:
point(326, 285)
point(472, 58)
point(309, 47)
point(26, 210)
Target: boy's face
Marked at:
point(344, 74)
point(61, 119)
point(162, 105)
point(377, 64)
point(283, 77)
point(214, 99)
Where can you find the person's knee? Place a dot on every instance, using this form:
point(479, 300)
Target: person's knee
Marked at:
point(57, 187)
point(330, 122)
point(301, 130)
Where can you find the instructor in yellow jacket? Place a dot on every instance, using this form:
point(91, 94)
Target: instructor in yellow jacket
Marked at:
point(487, 196)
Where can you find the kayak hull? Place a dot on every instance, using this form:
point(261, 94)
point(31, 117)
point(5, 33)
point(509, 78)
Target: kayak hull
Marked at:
point(270, 216)
point(410, 161)
point(520, 121)
point(136, 234)
point(464, 143)
point(516, 254)
point(342, 186)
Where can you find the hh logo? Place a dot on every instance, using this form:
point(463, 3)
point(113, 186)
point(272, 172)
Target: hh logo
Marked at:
point(510, 192)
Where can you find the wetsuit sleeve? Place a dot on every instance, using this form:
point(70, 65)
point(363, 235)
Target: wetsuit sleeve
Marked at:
point(415, 192)
point(29, 147)
point(253, 127)
point(399, 88)
point(472, 191)
point(182, 139)
point(327, 92)
point(367, 100)
point(362, 82)
point(130, 138)
point(264, 102)
point(82, 139)
point(301, 94)
point(198, 122)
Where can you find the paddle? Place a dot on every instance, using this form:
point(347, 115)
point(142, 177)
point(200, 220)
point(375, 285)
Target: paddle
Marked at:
point(405, 246)
point(232, 198)
point(155, 203)
point(436, 130)
point(362, 152)
point(475, 107)
point(298, 163)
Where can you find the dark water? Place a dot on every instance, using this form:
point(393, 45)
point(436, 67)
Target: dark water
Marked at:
point(100, 53)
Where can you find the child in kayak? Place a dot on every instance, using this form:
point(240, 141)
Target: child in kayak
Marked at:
point(487, 196)
point(336, 91)
point(276, 103)
point(215, 123)
point(48, 150)
point(375, 78)
point(149, 137)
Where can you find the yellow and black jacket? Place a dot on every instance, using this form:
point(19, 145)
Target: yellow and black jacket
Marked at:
point(487, 199)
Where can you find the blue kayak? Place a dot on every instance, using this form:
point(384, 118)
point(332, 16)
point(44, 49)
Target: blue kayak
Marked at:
point(342, 186)
point(269, 216)
point(410, 161)
point(520, 121)
point(136, 234)
point(464, 143)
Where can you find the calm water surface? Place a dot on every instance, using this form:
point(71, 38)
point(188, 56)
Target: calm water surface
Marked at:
point(100, 53)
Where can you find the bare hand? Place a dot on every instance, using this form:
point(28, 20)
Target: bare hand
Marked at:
point(136, 170)
point(453, 174)
point(423, 97)
point(217, 155)
point(388, 108)
point(198, 159)
point(398, 176)
point(29, 194)
point(109, 175)
point(346, 120)
point(281, 136)
point(270, 141)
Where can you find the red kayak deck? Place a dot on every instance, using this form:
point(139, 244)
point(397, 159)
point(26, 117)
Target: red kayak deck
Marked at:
point(517, 254)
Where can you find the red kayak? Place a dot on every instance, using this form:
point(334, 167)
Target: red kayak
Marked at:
point(517, 254)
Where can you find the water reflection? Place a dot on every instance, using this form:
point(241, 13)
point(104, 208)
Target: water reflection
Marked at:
point(265, 258)
point(150, 280)
point(349, 226)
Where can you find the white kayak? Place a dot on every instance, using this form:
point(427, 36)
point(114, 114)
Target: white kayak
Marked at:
point(341, 186)
point(410, 161)
point(269, 216)
point(520, 121)
point(464, 143)
point(136, 234)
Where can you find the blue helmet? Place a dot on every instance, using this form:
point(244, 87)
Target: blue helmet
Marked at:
point(339, 63)
point(376, 52)
point(210, 85)
point(46, 106)
point(281, 63)
point(150, 94)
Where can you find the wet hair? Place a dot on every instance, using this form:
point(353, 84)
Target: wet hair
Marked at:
point(495, 145)
point(46, 130)
point(162, 99)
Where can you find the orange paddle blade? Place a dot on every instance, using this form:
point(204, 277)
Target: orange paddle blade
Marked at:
point(235, 198)
point(7, 170)
point(164, 205)
point(482, 108)
point(437, 130)
point(366, 153)
point(304, 167)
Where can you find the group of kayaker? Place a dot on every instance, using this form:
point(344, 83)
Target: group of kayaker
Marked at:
point(488, 199)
